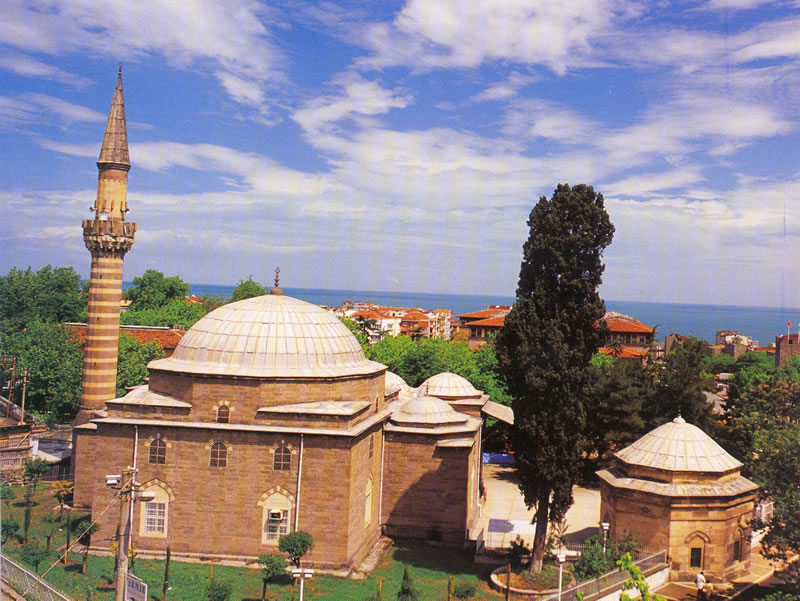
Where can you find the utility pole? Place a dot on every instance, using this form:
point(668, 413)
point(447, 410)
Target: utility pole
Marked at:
point(8, 363)
point(128, 487)
point(25, 374)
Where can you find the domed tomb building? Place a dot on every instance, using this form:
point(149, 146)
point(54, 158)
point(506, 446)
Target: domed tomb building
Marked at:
point(268, 419)
point(677, 489)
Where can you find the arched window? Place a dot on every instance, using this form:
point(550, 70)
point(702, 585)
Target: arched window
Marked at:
point(223, 414)
point(219, 455)
point(158, 452)
point(277, 508)
point(282, 459)
point(154, 516)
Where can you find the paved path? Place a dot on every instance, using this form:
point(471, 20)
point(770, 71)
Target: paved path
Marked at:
point(504, 516)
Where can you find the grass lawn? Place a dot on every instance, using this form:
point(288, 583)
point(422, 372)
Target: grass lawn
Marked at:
point(430, 568)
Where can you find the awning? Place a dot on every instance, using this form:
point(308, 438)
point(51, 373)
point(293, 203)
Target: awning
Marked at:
point(498, 411)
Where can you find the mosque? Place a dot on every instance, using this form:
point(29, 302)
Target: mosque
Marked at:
point(266, 419)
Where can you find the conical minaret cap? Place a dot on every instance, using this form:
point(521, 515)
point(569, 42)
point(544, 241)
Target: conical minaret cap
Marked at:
point(115, 141)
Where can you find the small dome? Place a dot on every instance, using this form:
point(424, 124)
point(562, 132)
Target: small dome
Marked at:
point(678, 447)
point(395, 383)
point(448, 385)
point(269, 336)
point(427, 412)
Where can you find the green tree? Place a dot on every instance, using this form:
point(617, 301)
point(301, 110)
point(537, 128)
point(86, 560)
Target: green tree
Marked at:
point(218, 590)
point(153, 289)
point(133, 359)
point(362, 338)
point(9, 529)
point(33, 554)
point(600, 558)
point(34, 469)
point(718, 364)
point(546, 345)
point(272, 565)
point(83, 530)
point(247, 289)
point(174, 312)
point(391, 351)
point(295, 544)
point(7, 494)
point(637, 581)
point(52, 522)
point(49, 295)
point(680, 389)
point(52, 353)
point(617, 390)
point(407, 591)
point(777, 470)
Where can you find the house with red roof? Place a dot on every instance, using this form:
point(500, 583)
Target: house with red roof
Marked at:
point(415, 324)
point(168, 338)
point(484, 323)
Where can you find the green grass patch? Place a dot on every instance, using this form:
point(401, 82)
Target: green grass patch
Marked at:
point(430, 569)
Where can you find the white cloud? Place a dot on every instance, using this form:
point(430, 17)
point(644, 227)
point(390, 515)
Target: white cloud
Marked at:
point(232, 35)
point(505, 89)
point(648, 183)
point(28, 66)
point(544, 119)
point(43, 109)
point(557, 34)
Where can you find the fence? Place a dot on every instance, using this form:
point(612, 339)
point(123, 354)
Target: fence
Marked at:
point(24, 581)
point(611, 579)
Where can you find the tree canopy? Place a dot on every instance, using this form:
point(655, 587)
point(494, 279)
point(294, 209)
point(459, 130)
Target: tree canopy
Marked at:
point(247, 289)
point(133, 359)
point(174, 312)
point(50, 295)
point(546, 345)
point(153, 289)
point(295, 544)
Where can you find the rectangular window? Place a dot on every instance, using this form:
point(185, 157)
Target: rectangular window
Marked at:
point(696, 557)
point(737, 551)
point(155, 518)
point(371, 445)
point(277, 524)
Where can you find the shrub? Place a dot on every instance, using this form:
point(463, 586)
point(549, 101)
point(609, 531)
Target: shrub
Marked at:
point(464, 590)
point(218, 590)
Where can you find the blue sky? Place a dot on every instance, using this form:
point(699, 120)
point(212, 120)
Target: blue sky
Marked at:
point(401, 146)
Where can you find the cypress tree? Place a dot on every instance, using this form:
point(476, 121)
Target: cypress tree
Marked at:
point(546, 345)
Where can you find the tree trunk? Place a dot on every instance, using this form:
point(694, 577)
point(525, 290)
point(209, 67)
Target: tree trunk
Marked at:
point(166, 576)
point(540, 538)
point(85, 559)
point(264, 591)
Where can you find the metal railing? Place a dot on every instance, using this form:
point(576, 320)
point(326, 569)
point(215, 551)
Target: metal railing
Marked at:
point(612, 579)
point(28, 583)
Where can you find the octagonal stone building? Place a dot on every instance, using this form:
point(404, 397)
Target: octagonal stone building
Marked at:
point(268, 419)
point(677, 489)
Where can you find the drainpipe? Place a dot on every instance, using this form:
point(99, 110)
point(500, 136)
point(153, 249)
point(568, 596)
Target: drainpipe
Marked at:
point(380, 494)
point(133, 477)
point(299, 480)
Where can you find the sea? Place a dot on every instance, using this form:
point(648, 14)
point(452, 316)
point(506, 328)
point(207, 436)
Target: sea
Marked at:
point(702, 321)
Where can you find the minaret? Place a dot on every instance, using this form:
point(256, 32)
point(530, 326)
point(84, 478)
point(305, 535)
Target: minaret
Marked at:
point(108, 237)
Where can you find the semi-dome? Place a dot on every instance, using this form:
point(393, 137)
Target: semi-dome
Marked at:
point(427, 412)
point(448, 385)
point(678, 447)
point(269, 336)
point(394, 383)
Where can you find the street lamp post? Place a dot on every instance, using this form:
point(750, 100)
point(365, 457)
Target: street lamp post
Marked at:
point(302, 574)
point(562, 557)
point(605, 526)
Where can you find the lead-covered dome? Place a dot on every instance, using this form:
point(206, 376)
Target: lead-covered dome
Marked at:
point(269, 336)
point(427, 412)
point(448, 385)
point(679, 447)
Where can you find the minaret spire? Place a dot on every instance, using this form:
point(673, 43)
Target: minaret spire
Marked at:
point(114, 162)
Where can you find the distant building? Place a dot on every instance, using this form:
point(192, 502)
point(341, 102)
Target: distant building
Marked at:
point(482, 324)
point(383, 324)
point(415, 324)
point(167, 337)
point(627, 331)
point(786, 347)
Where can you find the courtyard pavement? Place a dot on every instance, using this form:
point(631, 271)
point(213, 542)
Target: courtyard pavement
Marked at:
point(504, 515)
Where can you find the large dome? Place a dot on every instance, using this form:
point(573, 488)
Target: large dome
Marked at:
point(269, 336)
point(679, 447)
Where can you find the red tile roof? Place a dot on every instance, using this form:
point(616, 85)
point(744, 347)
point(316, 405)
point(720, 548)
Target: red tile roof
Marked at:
point(485, 313)
point(367, 315)
point(492, 322)
point(623, 325)
point(168, 338)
